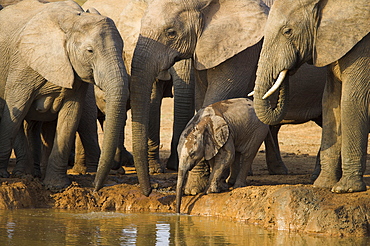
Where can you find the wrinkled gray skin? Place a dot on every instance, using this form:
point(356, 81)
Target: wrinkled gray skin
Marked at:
point(228, 135)
point(325, 33)
point(55, 50)
point(30, 148)
point(127, 15)
point(225, 67)
point(41, 121)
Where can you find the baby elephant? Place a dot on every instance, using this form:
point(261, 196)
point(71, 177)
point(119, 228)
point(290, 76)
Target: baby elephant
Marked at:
point(227, 134)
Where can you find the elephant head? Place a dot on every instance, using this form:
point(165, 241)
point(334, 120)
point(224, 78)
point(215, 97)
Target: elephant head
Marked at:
point(210, 31)
point(203, 137)
point(63, 44)
point(315, 31)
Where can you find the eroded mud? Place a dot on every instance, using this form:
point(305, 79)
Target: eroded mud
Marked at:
point(286, 205)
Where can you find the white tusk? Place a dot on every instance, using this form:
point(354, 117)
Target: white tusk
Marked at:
point(251, 93)
point(277, 84)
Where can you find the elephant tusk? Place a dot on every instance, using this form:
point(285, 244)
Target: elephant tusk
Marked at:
point(277, 84)
point(251, 93)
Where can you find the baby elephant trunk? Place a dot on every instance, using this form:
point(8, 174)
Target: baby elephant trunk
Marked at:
point(181, 176)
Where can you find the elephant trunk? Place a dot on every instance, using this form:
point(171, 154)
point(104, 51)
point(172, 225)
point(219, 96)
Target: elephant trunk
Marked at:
point(264, 87)
point(143, 74)
point(116, 91)
point(181, 178)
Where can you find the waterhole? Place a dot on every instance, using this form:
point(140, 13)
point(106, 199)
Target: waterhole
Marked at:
point(64, 227)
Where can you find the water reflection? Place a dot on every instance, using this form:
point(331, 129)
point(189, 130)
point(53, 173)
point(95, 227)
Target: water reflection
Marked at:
point(60, 227)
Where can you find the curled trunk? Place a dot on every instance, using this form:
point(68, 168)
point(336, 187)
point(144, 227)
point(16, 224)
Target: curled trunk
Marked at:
point(266, 111)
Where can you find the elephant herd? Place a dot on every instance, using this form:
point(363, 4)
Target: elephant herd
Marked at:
point(61, 62)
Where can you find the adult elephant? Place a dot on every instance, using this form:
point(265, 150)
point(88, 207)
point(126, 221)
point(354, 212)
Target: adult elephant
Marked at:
point(224, 38)
point(127, 15)
point(324, 33)
point(56, 49)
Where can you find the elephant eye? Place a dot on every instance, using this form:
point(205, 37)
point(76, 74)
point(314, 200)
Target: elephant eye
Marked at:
point(287, 31)
point(191, 154)
point(90, 50)
point(171, 33)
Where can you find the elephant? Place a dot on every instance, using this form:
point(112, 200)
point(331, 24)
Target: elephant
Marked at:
point(325, 34)
point(228, 134)
point(127, 16)
point(56, 50)
point(39, 121)
point(224, 39)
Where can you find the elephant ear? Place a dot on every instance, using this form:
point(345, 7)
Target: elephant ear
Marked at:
point(43, 44)
point(216, 136)
point(230, 26)
point(341, 25)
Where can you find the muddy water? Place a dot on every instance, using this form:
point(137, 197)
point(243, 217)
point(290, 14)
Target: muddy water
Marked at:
point(59, 227)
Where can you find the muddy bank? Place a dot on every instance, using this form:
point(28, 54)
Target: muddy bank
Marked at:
point(295, 207)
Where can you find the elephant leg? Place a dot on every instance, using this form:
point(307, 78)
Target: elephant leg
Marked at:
point(184, 108)
point(155, 165)
point(275, 164)
point(222, 163)
point(246, 161)
point(14, 112)
point(201, 85)
point(33, 134)
point(79, 165)
point(330, 150)
point(23, 155)
point(88, 132)
point(355, 118)
point(68, 119)
point(234, 169)
point(47, 137)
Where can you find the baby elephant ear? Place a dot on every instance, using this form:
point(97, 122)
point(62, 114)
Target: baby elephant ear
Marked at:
point(216, 136)
point(42, 46)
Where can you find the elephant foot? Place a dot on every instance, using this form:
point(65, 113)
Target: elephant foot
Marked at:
point(79, 168)
point(56, 183)
point(4, 173)
point(325, 181)
point(277, 168)
point(155, 166)
point(217, 188)
point(239, 184)
point(127, 159)
point(120, 171)
point(349, 184)
point(123, 158)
